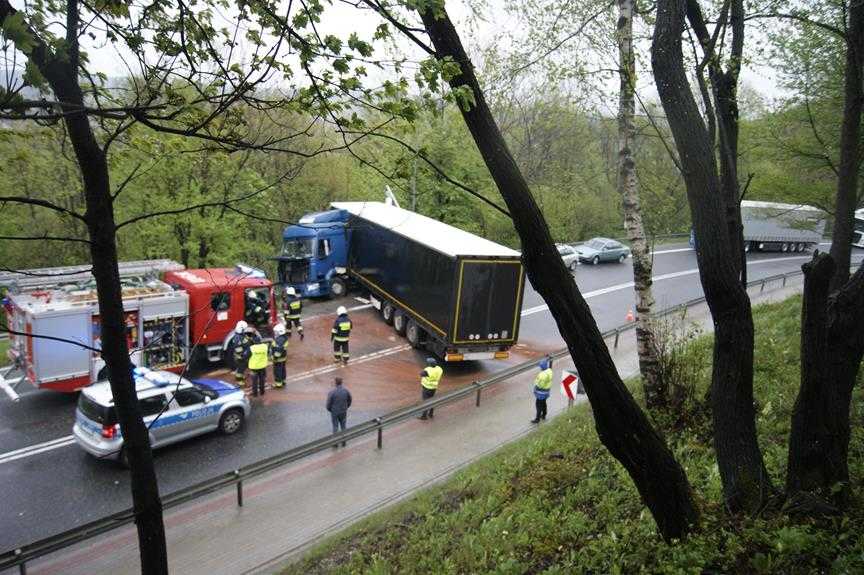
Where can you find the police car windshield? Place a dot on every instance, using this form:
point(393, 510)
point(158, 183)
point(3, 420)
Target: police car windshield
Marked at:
point(298, 248)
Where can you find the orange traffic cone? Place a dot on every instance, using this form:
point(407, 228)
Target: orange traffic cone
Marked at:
point(629, 316)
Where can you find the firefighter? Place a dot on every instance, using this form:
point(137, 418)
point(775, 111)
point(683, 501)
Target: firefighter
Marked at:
point(279, 353)
point(429, 379)
point(239, 348)
point(293, 306)
point(258, 353)
point(542, 387)
point(339, 336)
point(256, 309)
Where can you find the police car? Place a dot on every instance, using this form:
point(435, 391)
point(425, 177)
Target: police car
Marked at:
point(173, 409)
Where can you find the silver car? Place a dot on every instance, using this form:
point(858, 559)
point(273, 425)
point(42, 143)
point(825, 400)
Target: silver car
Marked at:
point(173, 409)
point(569, 255)
point(598, 250)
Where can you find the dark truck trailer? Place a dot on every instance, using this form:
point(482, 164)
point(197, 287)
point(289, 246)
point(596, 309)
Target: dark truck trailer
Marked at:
point(456, 294)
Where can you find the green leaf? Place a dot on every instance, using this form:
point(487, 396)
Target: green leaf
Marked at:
point(15, 28)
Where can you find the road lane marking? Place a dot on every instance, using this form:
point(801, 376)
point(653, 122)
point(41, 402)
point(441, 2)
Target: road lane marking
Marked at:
point(675, 251)
point(361, 359)
point(38, 448)
point(625, 285)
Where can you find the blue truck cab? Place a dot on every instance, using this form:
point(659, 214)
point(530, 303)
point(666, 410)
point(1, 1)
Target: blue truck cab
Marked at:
point(315, 254)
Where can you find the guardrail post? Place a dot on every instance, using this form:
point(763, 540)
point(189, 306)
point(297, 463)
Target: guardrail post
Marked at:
point(239, 488)
point(617, 333)
point(22, 567)
point(683, 311)
point(762, 289)
point(784, 280)
point(380, 433)
point(479, 389)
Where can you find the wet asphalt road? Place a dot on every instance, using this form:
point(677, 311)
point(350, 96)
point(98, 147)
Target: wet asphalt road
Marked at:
point(48, 489)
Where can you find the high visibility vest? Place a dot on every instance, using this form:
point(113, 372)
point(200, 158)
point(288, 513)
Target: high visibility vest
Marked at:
point(341, 328)
point(280, 349)
point(258, 359)
point(432, 377)
point(543, 381)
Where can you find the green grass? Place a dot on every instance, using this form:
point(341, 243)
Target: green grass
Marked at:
point(4, 346)
point(556, 502)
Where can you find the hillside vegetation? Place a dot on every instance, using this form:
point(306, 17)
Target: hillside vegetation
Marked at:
point(557, 502)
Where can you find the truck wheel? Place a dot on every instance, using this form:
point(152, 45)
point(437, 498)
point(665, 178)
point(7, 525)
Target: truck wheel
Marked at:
point(231, 421)
point(595, 260)
point(414, 334)
point(338, 287)
point(387, 310)
point(784, 247)
point(746, 247)
point(399, 321)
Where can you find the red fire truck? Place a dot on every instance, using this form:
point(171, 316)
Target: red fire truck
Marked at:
point(166, 318)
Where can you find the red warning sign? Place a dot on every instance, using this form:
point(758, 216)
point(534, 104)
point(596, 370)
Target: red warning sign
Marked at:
point(570, 383)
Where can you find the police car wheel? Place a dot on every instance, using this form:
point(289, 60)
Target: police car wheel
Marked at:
point(123, 458)
point(231, 421)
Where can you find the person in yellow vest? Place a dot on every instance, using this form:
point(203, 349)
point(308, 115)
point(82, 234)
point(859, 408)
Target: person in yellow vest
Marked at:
point(429, 380)
point(339, 336)
point(258, 366)
point(279, 353)
point(542, 387)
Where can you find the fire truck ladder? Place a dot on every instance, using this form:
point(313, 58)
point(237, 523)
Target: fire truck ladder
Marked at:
point(42, 278)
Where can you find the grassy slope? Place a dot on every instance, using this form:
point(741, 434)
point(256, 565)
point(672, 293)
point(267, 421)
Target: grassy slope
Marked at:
point(556, 502)
point(4, 346)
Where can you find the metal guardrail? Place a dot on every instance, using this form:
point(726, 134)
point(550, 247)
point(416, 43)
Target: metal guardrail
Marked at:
point(20, 556)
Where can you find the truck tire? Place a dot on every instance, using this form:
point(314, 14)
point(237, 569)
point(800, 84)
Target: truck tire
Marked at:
point(784, 247)
point(414, 334)
point(231, 421)
point(400, 321)
point(595, 260)
point(387, 311)
point(747, 247)
point(338, 288)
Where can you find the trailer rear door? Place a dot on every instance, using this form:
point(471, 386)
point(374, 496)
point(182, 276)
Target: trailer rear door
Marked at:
point(488, 301)
point(54, 360)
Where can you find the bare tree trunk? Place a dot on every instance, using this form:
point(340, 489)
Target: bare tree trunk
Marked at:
point(620, 423)
point(61, 71)
point(850, 155)
point(655, 389)
point(832, 345)
point(745, 481)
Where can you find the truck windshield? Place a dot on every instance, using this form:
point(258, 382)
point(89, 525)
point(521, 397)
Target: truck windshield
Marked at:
point(300, 248)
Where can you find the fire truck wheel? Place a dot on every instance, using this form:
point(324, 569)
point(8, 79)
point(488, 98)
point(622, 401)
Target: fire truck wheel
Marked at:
point(231, 421)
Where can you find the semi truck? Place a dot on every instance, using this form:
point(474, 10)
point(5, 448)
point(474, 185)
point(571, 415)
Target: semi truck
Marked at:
point(775, 227)
point(169, 311)
point(446, 290)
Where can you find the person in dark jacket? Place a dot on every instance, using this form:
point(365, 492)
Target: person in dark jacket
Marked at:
point(338, 402)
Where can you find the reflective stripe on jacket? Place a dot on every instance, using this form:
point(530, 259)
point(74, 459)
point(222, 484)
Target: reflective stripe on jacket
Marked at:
point(293, 308)
point(341, 328)
point(258, 357)
point(432, 377)
point(279, 351)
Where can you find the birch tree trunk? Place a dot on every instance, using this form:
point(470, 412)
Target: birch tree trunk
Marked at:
point(655, 389)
